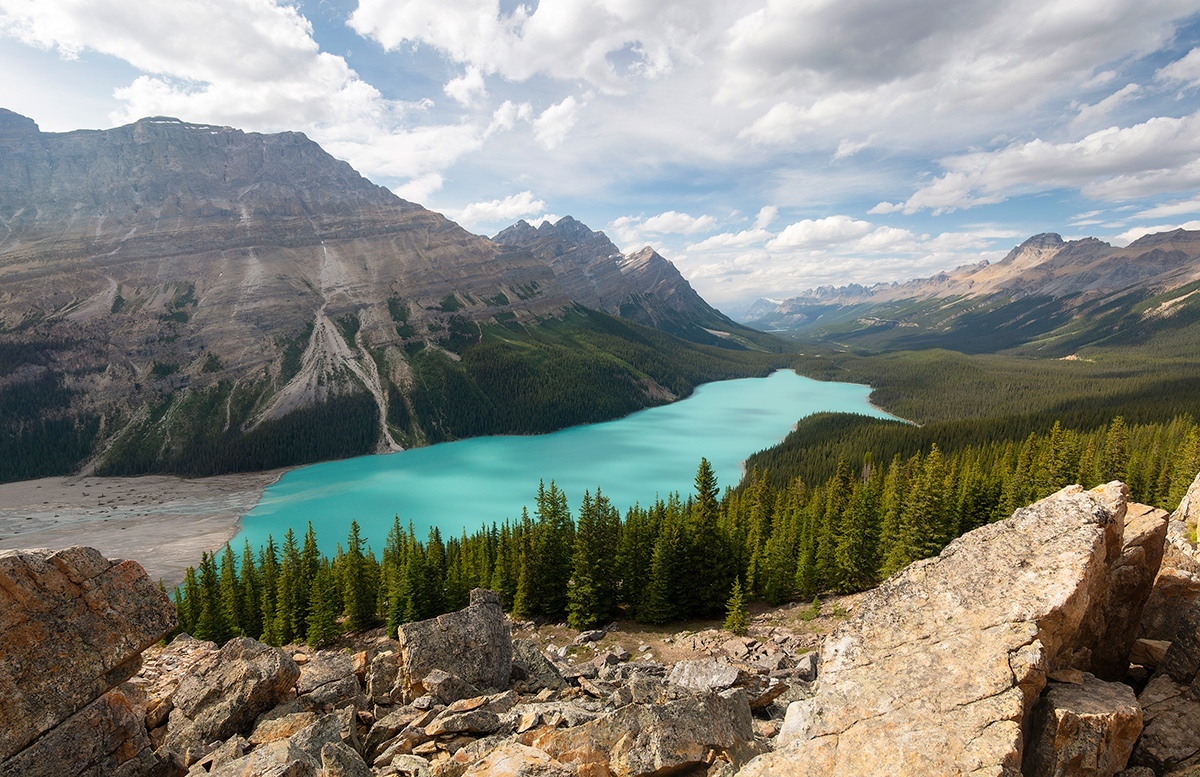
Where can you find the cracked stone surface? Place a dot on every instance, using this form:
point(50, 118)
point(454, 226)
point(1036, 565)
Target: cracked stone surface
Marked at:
point(73, 625)
point(939, 669)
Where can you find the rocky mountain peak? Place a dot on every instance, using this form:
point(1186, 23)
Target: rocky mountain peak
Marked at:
point(14, 125)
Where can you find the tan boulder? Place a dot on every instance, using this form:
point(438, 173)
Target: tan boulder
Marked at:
point(73, 625)
point(1085, 730)
point(517, 760)
point(1181, 550)
point(1131, 579)
point(107, 737)
point(1170, 739)
point(662, 738)
point(938, 670)
point(473, 644)
point(225, 693)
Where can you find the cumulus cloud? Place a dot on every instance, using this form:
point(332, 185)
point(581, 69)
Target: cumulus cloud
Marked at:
point(1185, 71)
point(1158, 156)
point(679, 223)
point(552, 126)
point(809, 233)
point(509, 209)
point(766, 215)
point(607, 43)
point(467, 88)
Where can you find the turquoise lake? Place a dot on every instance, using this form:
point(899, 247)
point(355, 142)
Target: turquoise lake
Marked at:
point(469, 483)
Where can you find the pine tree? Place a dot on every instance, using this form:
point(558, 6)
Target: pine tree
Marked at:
point(592, 591)
point(232, 606)
point(708, 554)
point(322, 626)
point(269, 564)
point(251, 587)
point(736, 617)
point(285, 604)
point(357, 590)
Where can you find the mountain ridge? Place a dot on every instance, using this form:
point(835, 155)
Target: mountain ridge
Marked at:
point(1046, 293)
point(166, 284)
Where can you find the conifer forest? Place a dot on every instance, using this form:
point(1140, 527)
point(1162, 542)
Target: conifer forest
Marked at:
point(773, 538)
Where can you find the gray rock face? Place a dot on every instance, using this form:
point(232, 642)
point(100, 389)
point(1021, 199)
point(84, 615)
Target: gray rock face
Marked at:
point(532, 669)
point(72, 626)
point(226, 693)
point(1171, 738)
point(1083, 730)
point(643, 739)
point(1022, 598)
point(704, 675)
point(474, 644)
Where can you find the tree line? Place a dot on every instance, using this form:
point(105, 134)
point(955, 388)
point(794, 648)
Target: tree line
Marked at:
point(677, 559)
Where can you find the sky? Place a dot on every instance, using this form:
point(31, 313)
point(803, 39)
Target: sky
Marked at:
point(764, 146)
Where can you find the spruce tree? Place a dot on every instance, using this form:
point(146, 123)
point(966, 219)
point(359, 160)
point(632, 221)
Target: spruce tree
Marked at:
point(231, 593)
point(322, 626)
point(736, 617)
point(357, 591)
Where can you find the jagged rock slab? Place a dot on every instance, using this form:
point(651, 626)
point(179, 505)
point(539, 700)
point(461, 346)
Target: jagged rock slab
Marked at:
point(226, 693)
point(104, 739)
point(72, 625)
point(473, 644)
point(653, 738)
point(938, 670)
point(1085, 730)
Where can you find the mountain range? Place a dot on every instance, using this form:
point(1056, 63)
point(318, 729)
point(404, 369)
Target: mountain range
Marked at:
point(192, 298)
point(1048, 296)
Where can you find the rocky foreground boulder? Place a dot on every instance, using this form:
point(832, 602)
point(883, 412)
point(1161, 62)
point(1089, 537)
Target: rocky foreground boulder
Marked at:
point(940, 669)
point(73, 626)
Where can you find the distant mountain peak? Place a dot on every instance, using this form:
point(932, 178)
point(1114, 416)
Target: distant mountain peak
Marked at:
point(14, 125)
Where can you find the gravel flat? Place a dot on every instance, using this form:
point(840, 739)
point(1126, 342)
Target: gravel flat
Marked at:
point(162, 522)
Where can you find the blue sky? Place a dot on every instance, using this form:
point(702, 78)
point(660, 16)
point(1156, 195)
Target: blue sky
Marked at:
point(764, 146)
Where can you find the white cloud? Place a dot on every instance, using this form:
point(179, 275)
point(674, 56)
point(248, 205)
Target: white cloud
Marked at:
point(509, 209)
point(741, 239)
point(809, 233)
point(607, 43)
point(1090, 114)
point(1158, 156)
point(679, 223)
point(554, 123)
point(468, 88)
point(766, 214)
point(848, 148)
point(1168, 209)
point(1185, 70)
point(420, 189)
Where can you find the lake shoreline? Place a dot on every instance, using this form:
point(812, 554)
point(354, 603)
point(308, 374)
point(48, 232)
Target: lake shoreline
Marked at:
point(163, 522)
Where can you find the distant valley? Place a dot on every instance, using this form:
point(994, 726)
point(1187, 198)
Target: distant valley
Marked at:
point(195, 299)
